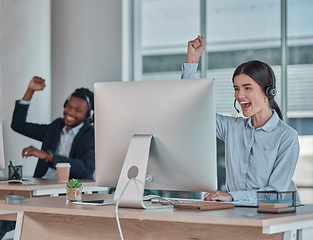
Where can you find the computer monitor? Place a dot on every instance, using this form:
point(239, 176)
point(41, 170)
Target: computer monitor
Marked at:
point(2, 162)
point(164, 129)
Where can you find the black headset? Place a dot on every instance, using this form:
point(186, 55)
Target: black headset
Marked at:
point(90, 111)
point(270, 91)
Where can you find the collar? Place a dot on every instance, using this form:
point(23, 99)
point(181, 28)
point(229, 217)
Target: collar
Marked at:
point(269, 125)
point(74, 130)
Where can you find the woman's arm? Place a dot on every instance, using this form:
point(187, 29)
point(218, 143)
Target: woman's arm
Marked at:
point(195, 49)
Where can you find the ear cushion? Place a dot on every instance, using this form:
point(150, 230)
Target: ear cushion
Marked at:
point(270, 92)
point(91, 114)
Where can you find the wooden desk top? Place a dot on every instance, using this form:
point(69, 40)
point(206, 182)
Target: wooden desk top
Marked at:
point(38, 184)
point(238, 216)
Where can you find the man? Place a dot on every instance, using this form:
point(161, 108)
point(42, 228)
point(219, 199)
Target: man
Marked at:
point(69, 139)
point(66, 140)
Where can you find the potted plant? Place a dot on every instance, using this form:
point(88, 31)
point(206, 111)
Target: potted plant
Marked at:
point(74, 191)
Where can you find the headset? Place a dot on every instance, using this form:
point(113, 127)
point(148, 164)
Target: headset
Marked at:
point(270, 91)
point(90, 111)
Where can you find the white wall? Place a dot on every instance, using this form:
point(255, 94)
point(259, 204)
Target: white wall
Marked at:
point(24, 52)
point(86, 46)
point(71, 43)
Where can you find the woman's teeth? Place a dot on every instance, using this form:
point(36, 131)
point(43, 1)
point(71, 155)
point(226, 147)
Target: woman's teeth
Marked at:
point(245, 104)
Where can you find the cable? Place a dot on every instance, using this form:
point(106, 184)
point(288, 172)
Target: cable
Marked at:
point(116, 209)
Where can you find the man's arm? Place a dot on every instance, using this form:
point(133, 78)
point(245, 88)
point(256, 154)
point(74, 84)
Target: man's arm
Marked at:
point(35, 84)
point(18, 122)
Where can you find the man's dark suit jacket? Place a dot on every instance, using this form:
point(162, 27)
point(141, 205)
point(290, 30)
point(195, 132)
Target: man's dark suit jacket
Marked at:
point(82, 154)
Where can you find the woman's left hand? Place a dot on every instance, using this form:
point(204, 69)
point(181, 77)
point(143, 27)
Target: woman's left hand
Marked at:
point(218, 196)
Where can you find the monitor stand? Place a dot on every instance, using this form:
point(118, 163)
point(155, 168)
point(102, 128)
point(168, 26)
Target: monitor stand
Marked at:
point(135, 166)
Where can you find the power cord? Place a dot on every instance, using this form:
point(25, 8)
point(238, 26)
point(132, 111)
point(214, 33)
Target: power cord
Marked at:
point(116, 208)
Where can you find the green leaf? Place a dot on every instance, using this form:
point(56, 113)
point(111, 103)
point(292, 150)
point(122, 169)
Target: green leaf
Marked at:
point(74, 183)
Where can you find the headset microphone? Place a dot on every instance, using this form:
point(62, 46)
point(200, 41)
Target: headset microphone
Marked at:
point(236, 107)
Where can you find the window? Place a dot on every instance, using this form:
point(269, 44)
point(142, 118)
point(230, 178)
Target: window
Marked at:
point(300, 88)
point(165, 34)
point(235, 32)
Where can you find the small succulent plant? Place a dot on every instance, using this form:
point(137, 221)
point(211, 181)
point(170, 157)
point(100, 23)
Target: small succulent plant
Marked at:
point(74, 183)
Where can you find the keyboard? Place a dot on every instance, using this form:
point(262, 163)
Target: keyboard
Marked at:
point(169, 201)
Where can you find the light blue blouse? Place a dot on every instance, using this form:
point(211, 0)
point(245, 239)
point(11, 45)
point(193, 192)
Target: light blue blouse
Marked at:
point(256, 159)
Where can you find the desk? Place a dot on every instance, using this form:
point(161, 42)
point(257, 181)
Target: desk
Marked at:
point(38, 187)
point(43, 187)
point(46, 217)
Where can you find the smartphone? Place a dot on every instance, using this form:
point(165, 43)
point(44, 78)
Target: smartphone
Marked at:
point(97, 202)
point(94, 201)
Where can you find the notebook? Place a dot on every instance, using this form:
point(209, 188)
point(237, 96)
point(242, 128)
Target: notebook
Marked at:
point(203, 206)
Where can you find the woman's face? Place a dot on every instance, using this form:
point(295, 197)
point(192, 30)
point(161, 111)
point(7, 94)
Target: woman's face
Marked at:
point(250, 96)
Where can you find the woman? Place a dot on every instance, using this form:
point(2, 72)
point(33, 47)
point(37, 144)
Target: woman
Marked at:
point(261, 151)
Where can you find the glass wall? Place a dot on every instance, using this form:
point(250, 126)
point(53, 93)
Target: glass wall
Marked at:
point(165, 33)
point(235, 32)
point(300, 88)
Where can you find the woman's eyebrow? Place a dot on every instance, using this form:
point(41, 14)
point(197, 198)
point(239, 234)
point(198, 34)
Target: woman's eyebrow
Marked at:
point(244, 85)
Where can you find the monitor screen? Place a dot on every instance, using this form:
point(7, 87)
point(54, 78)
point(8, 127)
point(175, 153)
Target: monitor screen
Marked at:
point(180, 117)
